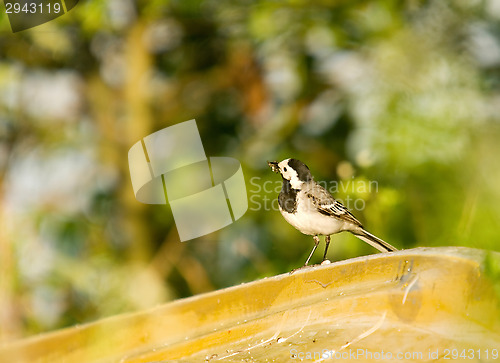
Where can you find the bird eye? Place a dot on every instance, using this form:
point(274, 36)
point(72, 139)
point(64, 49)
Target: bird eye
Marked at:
point(284, 169)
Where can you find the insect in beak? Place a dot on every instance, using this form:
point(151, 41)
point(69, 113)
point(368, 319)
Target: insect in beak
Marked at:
point(274, 166)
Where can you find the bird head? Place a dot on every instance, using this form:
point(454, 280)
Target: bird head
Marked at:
point(293, 170)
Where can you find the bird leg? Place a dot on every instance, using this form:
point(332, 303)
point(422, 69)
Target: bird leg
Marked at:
point(316, 243)
point(327, 242)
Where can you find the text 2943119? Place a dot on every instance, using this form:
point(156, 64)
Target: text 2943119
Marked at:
point(32, 8)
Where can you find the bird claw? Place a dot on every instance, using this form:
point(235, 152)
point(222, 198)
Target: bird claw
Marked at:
point(325, 262)
point(302, 267)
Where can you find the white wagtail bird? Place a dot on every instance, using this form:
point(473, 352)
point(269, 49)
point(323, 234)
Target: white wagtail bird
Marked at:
point(311, 209)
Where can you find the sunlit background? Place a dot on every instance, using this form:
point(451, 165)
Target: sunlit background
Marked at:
point(394, 104)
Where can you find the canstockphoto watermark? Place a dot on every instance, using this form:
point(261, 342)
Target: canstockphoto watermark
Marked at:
point(263, 193)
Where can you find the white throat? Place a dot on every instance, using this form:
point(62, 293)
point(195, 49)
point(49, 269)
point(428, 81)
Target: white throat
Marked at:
point(296, 183)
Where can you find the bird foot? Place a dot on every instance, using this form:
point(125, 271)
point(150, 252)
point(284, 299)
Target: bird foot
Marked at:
point(325, 262)
point(302, 267)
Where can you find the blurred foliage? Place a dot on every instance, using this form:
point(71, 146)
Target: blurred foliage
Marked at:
point(491, 268)
point(394, 104)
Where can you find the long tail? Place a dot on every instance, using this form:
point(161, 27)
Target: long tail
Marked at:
point(374, 241)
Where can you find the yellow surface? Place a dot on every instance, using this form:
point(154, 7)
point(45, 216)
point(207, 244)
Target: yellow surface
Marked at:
point(425, 304)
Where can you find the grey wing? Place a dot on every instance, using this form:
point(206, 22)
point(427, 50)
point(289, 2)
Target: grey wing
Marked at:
point(326, 204)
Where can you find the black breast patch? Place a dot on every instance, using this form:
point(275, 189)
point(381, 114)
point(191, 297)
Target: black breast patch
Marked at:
point(287, 198)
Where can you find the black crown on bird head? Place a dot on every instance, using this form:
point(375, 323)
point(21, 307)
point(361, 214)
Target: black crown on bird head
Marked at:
point(303, 172)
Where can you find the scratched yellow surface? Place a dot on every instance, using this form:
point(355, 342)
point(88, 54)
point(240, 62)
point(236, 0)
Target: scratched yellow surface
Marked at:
point(424, 304)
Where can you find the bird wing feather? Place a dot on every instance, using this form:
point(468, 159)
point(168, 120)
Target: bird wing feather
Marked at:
point(326, 204)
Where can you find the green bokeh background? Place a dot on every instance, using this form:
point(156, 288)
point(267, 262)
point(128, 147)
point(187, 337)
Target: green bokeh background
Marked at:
point(394, 104)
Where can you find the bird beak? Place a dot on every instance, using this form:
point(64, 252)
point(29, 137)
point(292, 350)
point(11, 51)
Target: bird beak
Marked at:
point(274, 166)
